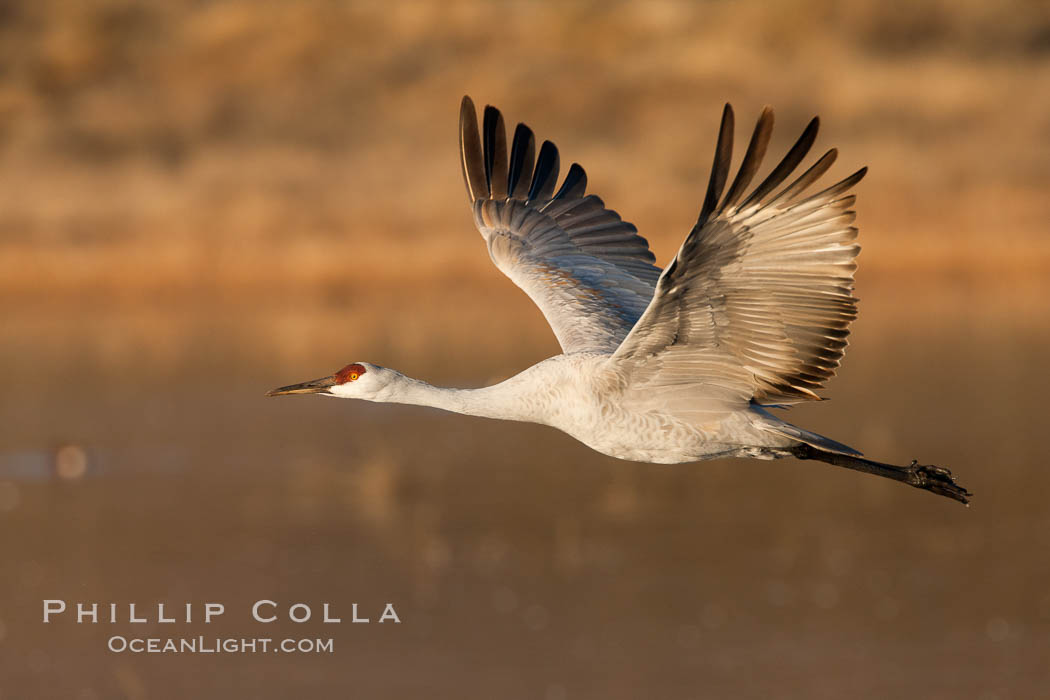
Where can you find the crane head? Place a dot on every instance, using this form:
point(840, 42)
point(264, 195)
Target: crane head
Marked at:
point(358, 380)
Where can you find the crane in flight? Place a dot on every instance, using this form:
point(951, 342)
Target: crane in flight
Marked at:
point(674, 365)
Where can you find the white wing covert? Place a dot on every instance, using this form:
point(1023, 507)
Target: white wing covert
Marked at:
point(587, 270)
point(756, 306)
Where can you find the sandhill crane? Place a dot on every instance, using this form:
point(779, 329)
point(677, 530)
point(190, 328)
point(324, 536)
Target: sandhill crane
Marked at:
point(668, 366)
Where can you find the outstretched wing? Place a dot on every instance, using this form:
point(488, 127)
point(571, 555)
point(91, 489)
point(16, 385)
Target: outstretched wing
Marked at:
point(588, 271)
point(758, 302)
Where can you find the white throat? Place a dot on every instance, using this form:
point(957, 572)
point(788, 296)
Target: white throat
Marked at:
point(502, 401)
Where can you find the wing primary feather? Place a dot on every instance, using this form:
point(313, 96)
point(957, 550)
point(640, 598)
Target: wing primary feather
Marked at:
point(495, 153)
point(841, 186)
point(788, 164)
point(720, 167)
point(759, 299)
point(522, 159)
point(471, 155)
point(809, 177)
point(575, 183)
point(756, 151)
point(588, 271)
point(545, 177)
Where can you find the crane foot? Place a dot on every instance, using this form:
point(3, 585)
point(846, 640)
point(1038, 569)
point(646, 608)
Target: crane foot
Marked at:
point(939, 480)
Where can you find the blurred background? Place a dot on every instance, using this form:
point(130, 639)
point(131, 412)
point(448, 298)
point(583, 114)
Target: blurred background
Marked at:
point(200, 201)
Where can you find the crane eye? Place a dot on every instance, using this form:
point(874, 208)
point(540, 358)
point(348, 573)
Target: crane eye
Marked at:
point(350, 373)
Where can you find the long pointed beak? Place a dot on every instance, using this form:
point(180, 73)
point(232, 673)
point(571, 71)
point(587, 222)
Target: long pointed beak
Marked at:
point(317, 386)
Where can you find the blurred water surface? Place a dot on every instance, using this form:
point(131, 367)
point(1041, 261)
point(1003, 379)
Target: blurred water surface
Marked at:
point(521, 563)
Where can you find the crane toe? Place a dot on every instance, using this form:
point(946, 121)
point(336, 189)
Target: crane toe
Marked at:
point(939, 480)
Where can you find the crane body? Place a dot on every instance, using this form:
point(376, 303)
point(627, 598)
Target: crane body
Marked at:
point(584, 395)
point(665, 366)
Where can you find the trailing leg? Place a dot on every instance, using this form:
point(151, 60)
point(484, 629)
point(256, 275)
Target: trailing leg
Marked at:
point(922, 476)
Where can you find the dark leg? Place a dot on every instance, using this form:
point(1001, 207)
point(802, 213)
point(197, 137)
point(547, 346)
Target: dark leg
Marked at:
point(922, 476)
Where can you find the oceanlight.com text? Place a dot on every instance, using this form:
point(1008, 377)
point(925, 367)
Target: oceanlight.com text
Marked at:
point(218, 645)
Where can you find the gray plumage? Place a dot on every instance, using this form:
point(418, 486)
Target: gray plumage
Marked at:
point(664, 366)
point(760, 295)
point(589, 271)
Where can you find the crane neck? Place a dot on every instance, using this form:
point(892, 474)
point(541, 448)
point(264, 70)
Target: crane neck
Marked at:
point(502, 401)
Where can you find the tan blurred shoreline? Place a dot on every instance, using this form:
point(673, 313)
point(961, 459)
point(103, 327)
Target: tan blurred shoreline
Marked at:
point(158, 236)
point(240, 151)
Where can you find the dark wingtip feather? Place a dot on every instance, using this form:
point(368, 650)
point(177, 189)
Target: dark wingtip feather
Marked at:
point(852, 179)
point(522, 159)
point(787, 164)
point(471, 156)
point(495, 141)
point(756, 151)
point(575, 183)
point(720, 166)
point(810, 176)
point(545, 176)
point(842, 185)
